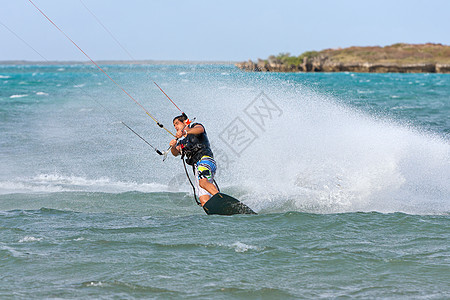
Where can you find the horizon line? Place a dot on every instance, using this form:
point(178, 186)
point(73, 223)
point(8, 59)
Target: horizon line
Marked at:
point(114, 62)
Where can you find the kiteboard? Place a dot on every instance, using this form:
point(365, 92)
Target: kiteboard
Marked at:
point(223, 204)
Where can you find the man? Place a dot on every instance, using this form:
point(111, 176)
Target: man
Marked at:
point(193, 143)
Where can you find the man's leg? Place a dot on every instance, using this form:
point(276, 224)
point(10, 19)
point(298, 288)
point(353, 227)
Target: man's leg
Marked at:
point(204, 171)
point(208, 186)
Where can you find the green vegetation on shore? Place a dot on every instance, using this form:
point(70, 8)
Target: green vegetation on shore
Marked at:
point(394, 58)
point(287, 59)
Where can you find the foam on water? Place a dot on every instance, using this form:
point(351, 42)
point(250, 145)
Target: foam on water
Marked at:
point(17, 96)
point(242, 247)
point(54, 183)
point(28, 239)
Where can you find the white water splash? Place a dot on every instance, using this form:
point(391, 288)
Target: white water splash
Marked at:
point(322, 156)
point(241, 247)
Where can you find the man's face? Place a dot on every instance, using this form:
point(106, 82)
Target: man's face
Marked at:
point(178, 125)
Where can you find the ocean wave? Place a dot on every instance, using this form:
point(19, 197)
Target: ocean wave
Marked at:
point(365, 92)
point(13, 252)
point(238, 247)
point(18, 96)
point(127, 287)
point(53, 183)
point(4, 77)
point(241, 247)
point(29, 239)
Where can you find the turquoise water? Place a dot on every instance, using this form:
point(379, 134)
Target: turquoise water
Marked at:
point(350, 175)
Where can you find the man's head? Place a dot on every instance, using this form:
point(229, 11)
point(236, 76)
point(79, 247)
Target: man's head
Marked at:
point(179, 122)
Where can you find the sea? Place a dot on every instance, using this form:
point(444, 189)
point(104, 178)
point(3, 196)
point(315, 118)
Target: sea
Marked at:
point(349, 174)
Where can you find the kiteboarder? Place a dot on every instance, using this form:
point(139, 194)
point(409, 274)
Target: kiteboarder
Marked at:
point(192, 143)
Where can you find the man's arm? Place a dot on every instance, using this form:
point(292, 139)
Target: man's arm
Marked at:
point(197, 129)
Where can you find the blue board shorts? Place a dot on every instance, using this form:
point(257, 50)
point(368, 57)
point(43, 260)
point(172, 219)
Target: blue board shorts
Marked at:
point(205, 168)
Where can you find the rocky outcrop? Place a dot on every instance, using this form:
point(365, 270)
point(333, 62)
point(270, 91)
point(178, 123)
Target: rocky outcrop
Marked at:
point(442, 68)
point(387, 60)
point(329, 66)
point(326, 65)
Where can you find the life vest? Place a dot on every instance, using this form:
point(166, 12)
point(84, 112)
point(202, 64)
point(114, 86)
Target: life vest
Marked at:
point(194, 146)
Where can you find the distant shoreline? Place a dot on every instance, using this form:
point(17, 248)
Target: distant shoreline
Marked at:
point(396, 58)
point(117, 62)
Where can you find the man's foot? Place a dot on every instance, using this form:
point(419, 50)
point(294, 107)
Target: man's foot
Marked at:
point(203, 199)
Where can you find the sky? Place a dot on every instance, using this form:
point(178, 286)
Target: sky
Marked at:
point(213, 30)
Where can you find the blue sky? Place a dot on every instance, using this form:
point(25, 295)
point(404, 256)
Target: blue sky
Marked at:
point(215, 30)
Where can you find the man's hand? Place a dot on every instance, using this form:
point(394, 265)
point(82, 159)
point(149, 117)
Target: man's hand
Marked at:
point(174, 148)
point(173, 143)
point(180, 133)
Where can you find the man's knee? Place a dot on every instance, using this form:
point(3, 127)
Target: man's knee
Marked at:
point(203, 183)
